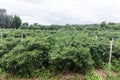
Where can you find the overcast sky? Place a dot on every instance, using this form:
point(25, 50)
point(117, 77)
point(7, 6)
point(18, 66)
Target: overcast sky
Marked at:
point(64, 11)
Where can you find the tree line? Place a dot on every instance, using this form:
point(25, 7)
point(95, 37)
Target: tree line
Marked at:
point(14, 21)
point(9, 21)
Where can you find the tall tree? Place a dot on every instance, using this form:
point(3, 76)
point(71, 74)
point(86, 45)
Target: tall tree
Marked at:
point(16, 22)
point(9, 21)
point(3, 11)
point(2, 18)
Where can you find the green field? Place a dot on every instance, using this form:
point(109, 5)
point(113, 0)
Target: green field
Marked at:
point(46, 52)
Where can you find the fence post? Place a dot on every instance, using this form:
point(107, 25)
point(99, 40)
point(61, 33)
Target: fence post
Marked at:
point(21, 36)
point(96, 37)
point(110, 55)
point(1, 33)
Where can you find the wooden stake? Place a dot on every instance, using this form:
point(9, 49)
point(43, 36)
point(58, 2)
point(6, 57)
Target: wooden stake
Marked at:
point(1, 34)
point(96, 37)
point(21, 36)
point(110, 55)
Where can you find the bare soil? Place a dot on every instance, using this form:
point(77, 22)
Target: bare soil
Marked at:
point(69, 76)
point(103, 74)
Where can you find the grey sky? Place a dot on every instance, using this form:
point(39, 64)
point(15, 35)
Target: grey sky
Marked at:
point(64, 11)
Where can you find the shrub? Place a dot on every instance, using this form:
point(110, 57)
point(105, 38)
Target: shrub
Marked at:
point(25, 59)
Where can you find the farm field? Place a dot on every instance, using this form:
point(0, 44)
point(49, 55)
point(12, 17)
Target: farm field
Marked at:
point(71, 52)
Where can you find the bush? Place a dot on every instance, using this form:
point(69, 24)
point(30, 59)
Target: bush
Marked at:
point(100, 54)
point(25, 59)
point(7, 45)
point(70, 58)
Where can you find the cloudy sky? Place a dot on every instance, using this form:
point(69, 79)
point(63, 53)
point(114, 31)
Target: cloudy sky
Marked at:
point(64, 11)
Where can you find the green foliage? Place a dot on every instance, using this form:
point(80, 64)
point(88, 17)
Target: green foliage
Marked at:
point(100, 54)
point(110, 78)
point(92, 76)
point(9, 21)
point(103, 24)
point(70, 58)
point(55, 48)
point(7, 46)
point(26, 57)
point(16, 22)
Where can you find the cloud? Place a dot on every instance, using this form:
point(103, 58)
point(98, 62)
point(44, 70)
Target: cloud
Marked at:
point(64, 11)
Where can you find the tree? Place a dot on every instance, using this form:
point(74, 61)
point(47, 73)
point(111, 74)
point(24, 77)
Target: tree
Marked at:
point(3, 11)
point(2, 18)
point(9, 21)
point(111, 23)
point(16, 22)
point(103, 24)
point(35, 24)
point(26, 24)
